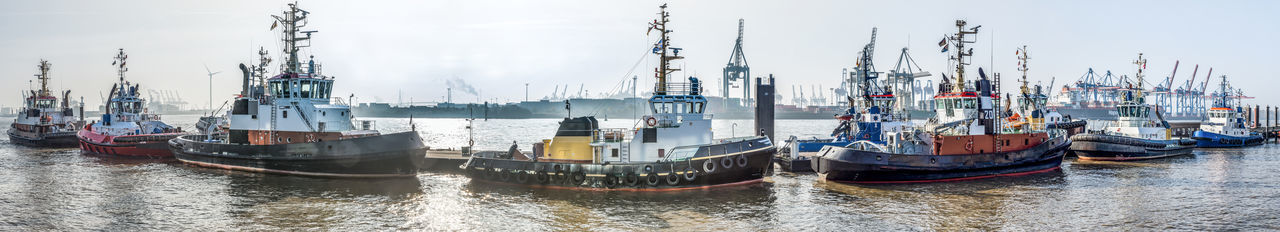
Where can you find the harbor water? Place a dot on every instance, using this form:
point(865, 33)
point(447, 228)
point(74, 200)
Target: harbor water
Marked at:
point(63, 189)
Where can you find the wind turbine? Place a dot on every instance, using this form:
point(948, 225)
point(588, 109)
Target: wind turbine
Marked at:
point(211, 73)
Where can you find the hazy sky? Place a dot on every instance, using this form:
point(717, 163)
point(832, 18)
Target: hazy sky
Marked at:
point(376, 48)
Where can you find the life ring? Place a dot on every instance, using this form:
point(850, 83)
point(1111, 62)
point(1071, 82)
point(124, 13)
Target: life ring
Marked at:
point(672, 178)
point(652, 179)
point(632, 179)
point(742, 161)
point(542, 177)
point(610, 181)
point(727, 162)
point(577, 177)
point(651, 121)
point(708, 166)
point(969, 146)
point(689, 174)
point(521, 177)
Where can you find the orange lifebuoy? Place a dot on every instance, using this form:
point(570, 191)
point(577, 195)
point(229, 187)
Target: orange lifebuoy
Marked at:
point(969, 146)
point(651, 121)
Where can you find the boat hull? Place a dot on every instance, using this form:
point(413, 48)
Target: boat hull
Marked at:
point(49, 140)
point(850, 165)
point(1206, 139)
point(143, 146)
point(722, 170)
point(389, 155)
point(1117, 148)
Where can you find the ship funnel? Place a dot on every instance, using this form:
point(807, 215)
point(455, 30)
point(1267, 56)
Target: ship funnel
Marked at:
point(244, 89)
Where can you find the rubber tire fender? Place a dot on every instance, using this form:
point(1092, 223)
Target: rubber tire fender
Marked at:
point(652, 179)
point(742, 160)
point(689, 174)
point(632, 179)
point(610, 180)
point(726, 162)
point(672, 178)
point(708, 166)
point(542, 177)
point(577, 177)
point(521, 177)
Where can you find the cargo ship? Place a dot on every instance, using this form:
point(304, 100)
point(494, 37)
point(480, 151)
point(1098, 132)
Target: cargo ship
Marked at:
point(44, 121)
point(127, 129)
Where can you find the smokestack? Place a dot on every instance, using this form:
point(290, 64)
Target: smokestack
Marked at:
point(244, 89)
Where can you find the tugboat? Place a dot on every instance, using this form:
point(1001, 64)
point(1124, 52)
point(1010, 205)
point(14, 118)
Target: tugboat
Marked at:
point(674, 150)
point(127, 129)
point(1226, 124)
point(879, 116)
point(43, 122)
point(291, 125)
point(966, 139)
point(1139, 133)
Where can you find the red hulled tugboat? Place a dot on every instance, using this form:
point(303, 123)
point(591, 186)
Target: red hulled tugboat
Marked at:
point(292, 125)
point(674, 150)
point(43, 122)
point(965, 140)
point(126, 128)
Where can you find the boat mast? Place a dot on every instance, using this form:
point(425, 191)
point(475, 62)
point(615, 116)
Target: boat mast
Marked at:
point(664, 61)
point(120, 65)
point(292, 20)
point(961, 53)
point(1142, 65)
point(44, 78)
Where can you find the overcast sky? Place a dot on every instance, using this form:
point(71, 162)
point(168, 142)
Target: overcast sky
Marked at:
point(377, 48)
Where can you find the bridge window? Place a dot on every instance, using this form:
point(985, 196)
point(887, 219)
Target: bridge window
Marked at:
point(970, 103)
point(306, 89)
point(698, 107)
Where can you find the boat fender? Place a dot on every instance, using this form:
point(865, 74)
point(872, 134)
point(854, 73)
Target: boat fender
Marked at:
point(689, 174)
point(673, 179)
point(652, 179)
point(610, 180)
point(504, 175)
point(651, 121)
point(742, 161)
point(708, 166)
point(542, 177)
point(578, 178)
point(632, 179)
point(727, 162)
point(521, 177)
point(489, 173)
point(559, 175)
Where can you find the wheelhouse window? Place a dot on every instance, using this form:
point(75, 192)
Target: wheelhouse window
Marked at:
point(306, 89)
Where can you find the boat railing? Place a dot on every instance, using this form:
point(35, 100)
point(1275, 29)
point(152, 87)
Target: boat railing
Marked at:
point(679, 89)
point(338, 101)
point(609, 135)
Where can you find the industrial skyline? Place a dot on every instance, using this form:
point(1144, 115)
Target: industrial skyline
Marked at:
point(378, 49)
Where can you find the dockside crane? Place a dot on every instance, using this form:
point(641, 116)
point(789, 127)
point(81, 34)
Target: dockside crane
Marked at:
point(737, 69)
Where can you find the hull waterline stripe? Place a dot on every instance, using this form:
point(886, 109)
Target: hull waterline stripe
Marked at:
point(300, 173)
point(954, 179)
point(620, 189)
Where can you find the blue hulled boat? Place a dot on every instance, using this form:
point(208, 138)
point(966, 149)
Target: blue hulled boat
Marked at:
point(1226, 124)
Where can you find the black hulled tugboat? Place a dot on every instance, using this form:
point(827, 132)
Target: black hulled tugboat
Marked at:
point(44, 121)
point(965, 140)
point(1138, 133)
point(291, 125)
point(127, 129)
point(673, 150)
